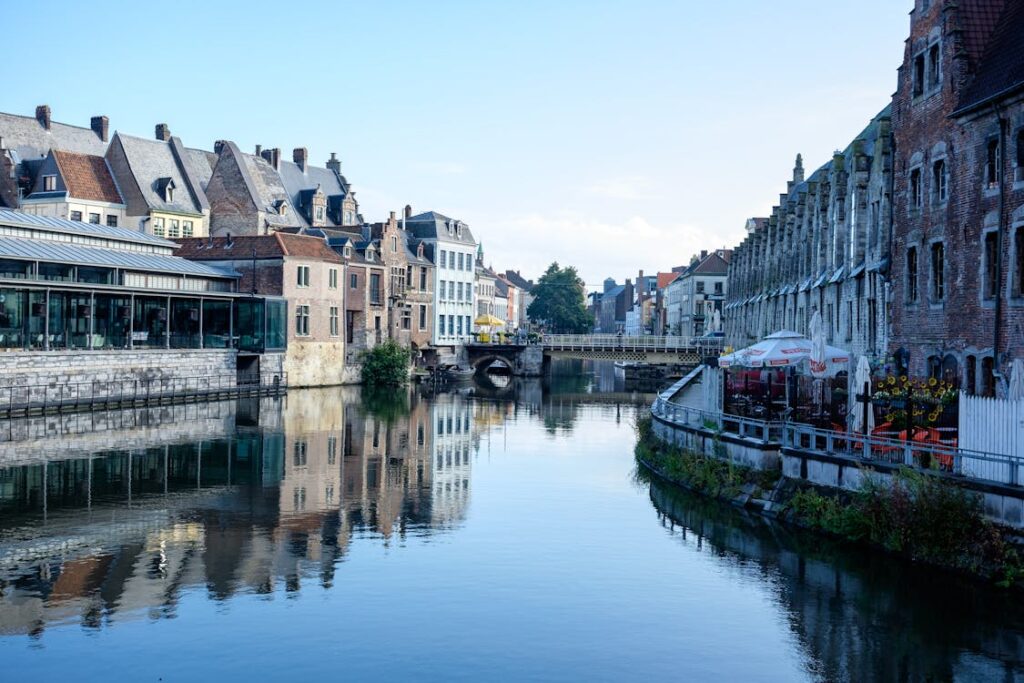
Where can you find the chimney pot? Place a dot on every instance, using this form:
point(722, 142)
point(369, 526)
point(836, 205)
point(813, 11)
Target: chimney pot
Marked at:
point(101, 126)
point(334, 163)
point(43, 115)
point(218, 146)
point(273, 157)
point(408, 211)
point(259, 150)
point(392, 217)
point(163, 132)
point(299, 156)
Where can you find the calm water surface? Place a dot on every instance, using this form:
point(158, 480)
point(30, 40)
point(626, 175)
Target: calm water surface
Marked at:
point(480, 534)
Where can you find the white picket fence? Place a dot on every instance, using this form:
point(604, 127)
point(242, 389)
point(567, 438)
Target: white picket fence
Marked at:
point(991, 425)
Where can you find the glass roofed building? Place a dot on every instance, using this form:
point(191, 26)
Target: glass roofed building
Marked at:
point(69, 285)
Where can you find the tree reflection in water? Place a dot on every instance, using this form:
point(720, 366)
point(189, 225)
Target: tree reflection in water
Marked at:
point(858, 616)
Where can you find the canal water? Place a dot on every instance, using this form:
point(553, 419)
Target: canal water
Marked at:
point(494, 531)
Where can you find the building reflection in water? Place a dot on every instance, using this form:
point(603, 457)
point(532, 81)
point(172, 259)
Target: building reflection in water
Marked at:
point(116, 515)
point(858, 616)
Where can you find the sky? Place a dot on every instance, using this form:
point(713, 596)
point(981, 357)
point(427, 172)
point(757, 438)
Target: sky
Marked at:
point(613, 136)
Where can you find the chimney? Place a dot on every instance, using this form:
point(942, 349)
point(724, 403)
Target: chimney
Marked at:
point(333, 163)
point(408, 211)
point(391, 219)
point(273, 157)
point(101, 126)
point(259, 150)
point(299, 156)
point(43, 115)
point(163, 132)
point(218, 146)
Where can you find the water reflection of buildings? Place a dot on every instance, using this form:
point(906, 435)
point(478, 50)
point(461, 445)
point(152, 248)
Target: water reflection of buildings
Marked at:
point(231, 497)
point(860, 616)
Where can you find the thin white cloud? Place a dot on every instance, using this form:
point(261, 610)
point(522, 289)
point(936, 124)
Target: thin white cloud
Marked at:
point(597, 247)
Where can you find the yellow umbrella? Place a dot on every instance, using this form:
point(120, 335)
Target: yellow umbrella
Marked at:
point(489, 320)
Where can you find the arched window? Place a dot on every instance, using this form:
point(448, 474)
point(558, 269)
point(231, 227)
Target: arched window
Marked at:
point(934, 367)
point(951, 370)
point(988, 377)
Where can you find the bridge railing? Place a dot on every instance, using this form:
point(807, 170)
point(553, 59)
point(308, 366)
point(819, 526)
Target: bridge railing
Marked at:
point(606, 342)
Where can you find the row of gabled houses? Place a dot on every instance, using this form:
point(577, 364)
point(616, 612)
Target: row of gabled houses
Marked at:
point(687, 300)
point(288, 232)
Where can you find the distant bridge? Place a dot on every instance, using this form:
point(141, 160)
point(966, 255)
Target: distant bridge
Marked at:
point(530, 359)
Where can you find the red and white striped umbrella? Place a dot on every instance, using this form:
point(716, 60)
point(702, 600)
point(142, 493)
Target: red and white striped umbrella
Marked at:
point(782, 349)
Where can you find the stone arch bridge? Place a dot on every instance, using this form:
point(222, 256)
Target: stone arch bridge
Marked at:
point(530, 360)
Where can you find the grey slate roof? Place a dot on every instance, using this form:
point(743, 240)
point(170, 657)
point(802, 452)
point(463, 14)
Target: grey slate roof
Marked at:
point(433, 225)
point(267, 189)
point(200, 164)
point(296, 183)
point(152, 160)
point(25, 136)
point(19, 219)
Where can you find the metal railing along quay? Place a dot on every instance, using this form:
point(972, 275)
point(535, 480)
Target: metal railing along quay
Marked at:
point(34, 399)
point(946, 457)
point(614, 342)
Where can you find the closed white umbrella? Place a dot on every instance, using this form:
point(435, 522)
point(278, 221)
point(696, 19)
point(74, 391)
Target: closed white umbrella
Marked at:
point(816, 359)
point(716, 321)
point(817, 354)
point(861, 377)
point(1016, 391)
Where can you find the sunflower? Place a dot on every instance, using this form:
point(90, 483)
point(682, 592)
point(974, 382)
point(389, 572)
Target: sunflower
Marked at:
point(933, 416)
point(892, 380)
point(903, 378)
point(932, 382)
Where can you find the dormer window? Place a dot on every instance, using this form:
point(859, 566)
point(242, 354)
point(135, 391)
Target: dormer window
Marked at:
point(281, 206)
point(49, 183)
point(319, 213)
point(369, 255)
point(165, 188)
point(348, 252)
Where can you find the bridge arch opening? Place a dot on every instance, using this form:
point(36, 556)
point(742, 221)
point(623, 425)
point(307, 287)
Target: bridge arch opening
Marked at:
point(494, 364)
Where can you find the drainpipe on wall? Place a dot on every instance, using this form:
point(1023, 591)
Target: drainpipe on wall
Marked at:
point(999, 245)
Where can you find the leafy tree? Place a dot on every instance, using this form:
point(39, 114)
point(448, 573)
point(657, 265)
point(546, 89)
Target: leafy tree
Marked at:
point(559, 301)
point(386, 364)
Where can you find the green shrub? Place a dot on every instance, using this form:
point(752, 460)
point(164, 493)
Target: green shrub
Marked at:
point(386, 364)
point(923, 517)
point(711, 475)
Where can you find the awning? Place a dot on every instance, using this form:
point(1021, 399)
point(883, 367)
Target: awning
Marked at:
point(858, 270)
point(821, 279)
point(489, 320)
point(837, 276)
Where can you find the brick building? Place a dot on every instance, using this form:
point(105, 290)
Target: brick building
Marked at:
point(958, 243)
point(309, 275)
point(824, 247)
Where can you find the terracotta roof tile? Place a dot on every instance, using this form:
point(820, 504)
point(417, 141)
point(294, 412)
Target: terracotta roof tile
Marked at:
point(87, 177)
point(276, 245)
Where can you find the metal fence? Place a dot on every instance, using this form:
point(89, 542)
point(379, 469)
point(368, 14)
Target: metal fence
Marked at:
point(614, 342)
point(58, 396)
point(766, 432)
point(1003, 468)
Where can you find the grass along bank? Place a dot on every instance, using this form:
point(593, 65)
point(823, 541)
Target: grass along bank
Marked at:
point(923, 518)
